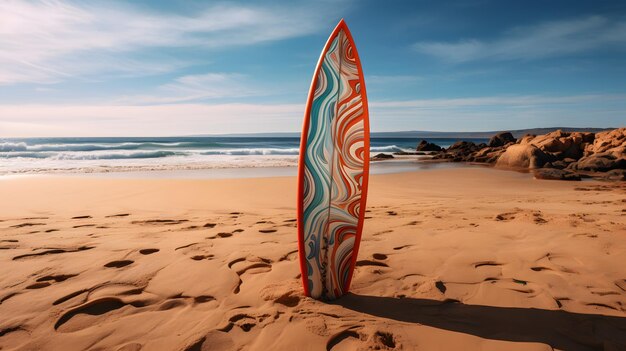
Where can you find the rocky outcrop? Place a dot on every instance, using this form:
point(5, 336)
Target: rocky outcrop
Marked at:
point(522, 156)
point(606, 153)
point(599, 163)
point(501, 139)
point(555, 174)
point(426, 146)
point(488, 154)
point(613, 142)
point(557, 155)
point(382, 156)
point(461, 151)
point(560, 145)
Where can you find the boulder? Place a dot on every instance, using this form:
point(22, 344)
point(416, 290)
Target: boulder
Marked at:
point(501, 139)
point(613, 142)
point(616, 174)
point(555, 174)
point(562, 145)
point(382, 156)
point(462, 151)
point(426, 146)
point(600, 163)
point(522, 156)
point(526, 139)
point(488, 154)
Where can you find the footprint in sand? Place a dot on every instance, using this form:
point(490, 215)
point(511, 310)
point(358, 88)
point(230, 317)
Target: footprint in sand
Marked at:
point(505, 217)
point(53, 252)
point(487, 263)
point(289, 256)
point(119, 215)
point(28, 224)
point(346, 339)
point(118, 264)
point(255, 265)
point(185, 246)
point(133, 290)
point(84, 225)
point(401, 247)
point(133, 346)
point(202, 257)
point(563, 263)
point(213, 341)
point(38, 285)
point(96, 307)
point(362, 263)
point(57, 278)
point(181, 300)
point(160, 221)
point(538, 219)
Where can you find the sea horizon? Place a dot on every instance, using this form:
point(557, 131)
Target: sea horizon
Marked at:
point(141, 154)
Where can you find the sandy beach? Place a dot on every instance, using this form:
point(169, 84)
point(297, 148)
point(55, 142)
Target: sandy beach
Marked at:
point(451, 259)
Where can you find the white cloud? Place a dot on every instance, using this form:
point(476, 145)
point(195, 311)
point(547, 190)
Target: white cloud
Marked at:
point(150, 120)
point(550, 39)
point(197, 87)
point(499, 112)
point(47, 41)
point(469, 114)
point(515, 101)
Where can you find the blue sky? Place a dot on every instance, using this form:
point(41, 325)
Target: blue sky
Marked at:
point(107, 68)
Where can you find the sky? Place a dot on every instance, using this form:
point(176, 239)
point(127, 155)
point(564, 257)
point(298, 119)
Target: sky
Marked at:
point(167, 68)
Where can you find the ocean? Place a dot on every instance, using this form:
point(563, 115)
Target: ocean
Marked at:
point(89, 155)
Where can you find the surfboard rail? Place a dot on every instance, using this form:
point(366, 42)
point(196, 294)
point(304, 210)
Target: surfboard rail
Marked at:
point(363, 153)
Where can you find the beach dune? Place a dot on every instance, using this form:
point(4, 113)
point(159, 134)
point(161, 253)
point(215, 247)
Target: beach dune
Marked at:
point(451, 259)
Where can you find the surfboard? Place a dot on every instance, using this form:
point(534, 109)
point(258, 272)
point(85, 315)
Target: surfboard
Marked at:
point(333, 169)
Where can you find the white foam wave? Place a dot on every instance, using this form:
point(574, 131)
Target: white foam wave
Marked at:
point(253, 151)
point(389, 148)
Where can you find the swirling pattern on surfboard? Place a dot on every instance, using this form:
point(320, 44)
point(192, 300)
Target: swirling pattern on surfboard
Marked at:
point(333, 170)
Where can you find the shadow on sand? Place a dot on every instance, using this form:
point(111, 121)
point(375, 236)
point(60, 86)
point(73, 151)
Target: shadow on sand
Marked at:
point(562, 330)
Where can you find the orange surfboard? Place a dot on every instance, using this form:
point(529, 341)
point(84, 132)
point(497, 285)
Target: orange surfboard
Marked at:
point(333, 169)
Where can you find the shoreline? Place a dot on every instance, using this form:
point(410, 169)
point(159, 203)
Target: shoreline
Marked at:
point(398, 165)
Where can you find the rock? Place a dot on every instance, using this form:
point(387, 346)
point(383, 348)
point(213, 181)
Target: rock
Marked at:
point(616, 174)
point(463, 151)
point(559, 164)
point(555, 174)
point(382, 156)
point(562, 145)
point(612, 142)
point(426, 146)
point(488, 154)
point(404, 153)
point(501, 139)
point(526, 139)
point(462, 145)
point(522, 156)
point(600, 163)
